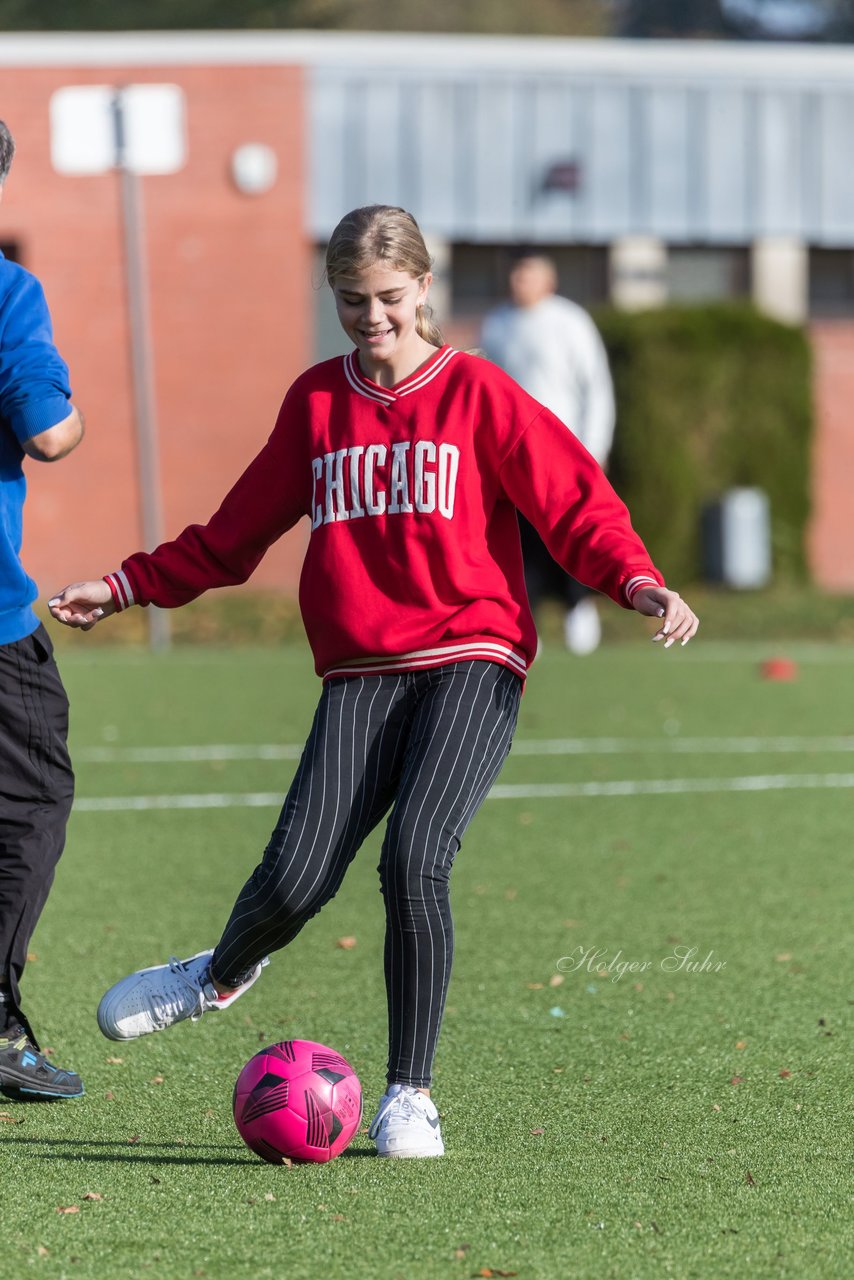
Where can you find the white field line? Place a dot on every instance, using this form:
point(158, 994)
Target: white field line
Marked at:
point(206, 800)
point(521, 747)
point(522, 791)
point(187, 755)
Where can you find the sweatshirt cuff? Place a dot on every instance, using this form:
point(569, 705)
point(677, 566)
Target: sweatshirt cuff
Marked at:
point(633, 586)
point(121, 589)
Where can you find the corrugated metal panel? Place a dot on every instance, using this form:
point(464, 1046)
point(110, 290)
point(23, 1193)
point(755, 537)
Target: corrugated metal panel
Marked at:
point(490, 155)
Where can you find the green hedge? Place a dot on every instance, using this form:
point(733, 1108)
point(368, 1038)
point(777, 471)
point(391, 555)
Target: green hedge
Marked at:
point(709, 398)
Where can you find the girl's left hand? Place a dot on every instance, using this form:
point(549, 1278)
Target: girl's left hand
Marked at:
point(679, 622)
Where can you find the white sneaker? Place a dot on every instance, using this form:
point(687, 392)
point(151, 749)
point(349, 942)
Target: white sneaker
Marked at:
point(406, 1124)
point(153, 999)
point(582, 629)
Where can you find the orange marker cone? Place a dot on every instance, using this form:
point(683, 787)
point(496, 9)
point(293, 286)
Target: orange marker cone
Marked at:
point(779, 669)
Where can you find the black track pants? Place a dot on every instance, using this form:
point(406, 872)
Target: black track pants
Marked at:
point(36, 790)
point(428, 745)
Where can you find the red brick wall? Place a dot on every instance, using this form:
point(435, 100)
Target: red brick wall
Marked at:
point(231, 309)
point(831, 536)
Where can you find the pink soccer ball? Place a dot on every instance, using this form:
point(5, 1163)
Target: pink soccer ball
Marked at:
point(297, 1100)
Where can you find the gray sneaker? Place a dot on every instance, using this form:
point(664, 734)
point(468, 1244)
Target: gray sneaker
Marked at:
point(406, 1124)
point(153, 999)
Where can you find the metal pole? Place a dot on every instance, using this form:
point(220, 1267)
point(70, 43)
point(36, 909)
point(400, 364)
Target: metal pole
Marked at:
point(142, 365)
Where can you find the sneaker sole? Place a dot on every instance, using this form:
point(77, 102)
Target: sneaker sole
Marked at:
point(15, 1091)
point(409, 1155)
point(17, 1095)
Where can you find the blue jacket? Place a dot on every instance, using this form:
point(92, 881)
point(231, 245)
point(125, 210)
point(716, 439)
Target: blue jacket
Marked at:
point(34, 395)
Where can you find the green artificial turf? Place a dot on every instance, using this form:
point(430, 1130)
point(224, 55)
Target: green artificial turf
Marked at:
point(599, 1122)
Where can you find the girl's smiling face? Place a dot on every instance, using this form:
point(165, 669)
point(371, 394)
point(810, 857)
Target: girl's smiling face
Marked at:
point(377, 309)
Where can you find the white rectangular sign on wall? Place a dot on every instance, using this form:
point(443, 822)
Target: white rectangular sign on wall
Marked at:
point(83, 128)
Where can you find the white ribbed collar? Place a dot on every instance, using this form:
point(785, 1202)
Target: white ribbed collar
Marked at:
point(390, 395)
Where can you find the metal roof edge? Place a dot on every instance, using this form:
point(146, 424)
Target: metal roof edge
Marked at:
point(423, 52)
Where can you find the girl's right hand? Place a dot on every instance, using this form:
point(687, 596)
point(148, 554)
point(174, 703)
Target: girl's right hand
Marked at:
point(82, 604)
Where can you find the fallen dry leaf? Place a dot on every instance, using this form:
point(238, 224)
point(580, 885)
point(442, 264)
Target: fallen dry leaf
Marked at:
point(534, 986)
point(43, 1252)
point(6, 1118)
point(785, 1075)
point(338, 1217)
point(69, 1208)
point(269, 1195)
point(157, 1079)
point(32, 957)
point(93, 1195)
point(110, 1096)
point(737, 1080)
point(741, 1044)
point(537, 1130)
point(462, 1249)
point(115, 1062)
point(556, 980)
point(347, 943)
point(783, 957)
point(715, 1107)
point(749, 1179)
point(135, 1138)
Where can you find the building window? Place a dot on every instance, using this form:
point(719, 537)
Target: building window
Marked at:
point(831, 282)
point(703, 273)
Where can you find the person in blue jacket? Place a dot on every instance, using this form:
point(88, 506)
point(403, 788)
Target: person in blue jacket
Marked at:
point(38, 420)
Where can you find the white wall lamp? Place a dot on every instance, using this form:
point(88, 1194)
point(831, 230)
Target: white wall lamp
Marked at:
point(254, 168)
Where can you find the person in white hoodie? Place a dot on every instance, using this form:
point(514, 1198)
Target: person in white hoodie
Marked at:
point(552, 348)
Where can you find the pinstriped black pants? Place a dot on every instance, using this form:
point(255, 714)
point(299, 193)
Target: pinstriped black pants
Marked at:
point(426, 745)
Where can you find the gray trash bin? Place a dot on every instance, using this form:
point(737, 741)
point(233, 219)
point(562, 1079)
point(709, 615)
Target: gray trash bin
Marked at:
point(736, 537)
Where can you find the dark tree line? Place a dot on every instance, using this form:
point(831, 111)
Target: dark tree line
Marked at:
point(822, 20)
point(534, 17)
point(826, 20)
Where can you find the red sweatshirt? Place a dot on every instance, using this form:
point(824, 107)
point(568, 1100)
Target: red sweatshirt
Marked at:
point(411, 491)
